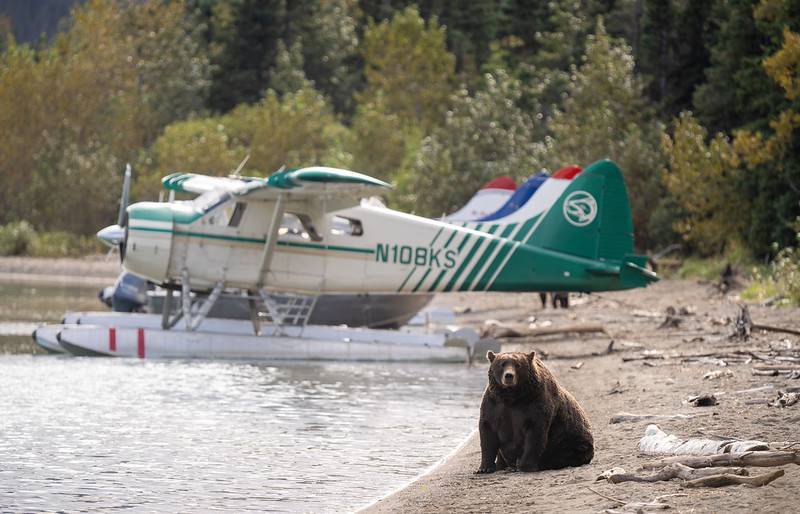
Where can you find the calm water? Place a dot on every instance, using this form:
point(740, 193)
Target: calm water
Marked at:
point(103, 434)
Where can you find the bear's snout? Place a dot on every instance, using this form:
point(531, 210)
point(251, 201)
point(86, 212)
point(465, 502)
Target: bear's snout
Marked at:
point(509, 376)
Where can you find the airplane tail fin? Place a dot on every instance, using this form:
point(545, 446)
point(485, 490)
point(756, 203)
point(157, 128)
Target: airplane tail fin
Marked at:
point(592, 218)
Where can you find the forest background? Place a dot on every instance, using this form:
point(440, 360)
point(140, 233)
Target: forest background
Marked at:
point(698, 101)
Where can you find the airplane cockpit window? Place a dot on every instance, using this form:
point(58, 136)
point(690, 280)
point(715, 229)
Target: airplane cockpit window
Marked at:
point(238, 212)
point(341, 226)
point(298, 225)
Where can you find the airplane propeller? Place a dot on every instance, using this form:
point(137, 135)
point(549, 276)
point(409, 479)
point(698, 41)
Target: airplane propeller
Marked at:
point(115, 235)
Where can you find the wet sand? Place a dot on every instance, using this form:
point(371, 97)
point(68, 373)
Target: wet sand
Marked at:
point(606, 385)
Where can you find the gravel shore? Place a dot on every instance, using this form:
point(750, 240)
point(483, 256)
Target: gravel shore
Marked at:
point(91, 270)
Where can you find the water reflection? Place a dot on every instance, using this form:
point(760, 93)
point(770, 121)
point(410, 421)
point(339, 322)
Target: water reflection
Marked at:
point(170, 435)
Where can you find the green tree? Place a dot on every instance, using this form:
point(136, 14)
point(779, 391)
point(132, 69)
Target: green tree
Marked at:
point(293, 130)
point(91, 100)
point(773, 156)
point(484, 135)
point(287, 75)
point(703, 181)
point(605, 115)
point(736, 92)
point(249, 44)
point(328, 36)
point(380, 142)
point(408, 68)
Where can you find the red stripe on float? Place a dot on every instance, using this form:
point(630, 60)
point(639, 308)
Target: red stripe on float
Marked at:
point(141, 343)
point(112, 339)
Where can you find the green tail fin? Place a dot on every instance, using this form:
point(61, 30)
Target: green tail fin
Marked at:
point(592, 218)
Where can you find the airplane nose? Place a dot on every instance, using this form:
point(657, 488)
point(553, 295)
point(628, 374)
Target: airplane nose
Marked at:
point(112, 235)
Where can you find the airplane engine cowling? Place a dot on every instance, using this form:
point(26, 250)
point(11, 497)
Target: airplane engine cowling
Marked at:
point(149, 240)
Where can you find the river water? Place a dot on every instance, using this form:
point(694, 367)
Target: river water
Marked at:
point(102, 434)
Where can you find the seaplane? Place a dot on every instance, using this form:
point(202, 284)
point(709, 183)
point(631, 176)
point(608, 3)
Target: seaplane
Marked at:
point(283, 239)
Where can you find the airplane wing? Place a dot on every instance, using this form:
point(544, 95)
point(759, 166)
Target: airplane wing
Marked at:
point(199, 184)
point(303, 182)
point(314, 181)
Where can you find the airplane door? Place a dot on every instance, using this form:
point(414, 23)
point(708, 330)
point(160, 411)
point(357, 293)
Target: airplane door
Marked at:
point(324, 257)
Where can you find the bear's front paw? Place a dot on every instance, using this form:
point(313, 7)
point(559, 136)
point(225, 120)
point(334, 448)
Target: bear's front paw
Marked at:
point(527, 468)
point(486, 469)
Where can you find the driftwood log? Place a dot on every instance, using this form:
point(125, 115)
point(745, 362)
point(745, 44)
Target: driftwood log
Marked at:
point(780, 368)
point(626, 507)
point(657, 441)
point(673, 471)
point(622, 417)
point(769, 328)
point(498, 331)
point(730, 479)
point(745, 459)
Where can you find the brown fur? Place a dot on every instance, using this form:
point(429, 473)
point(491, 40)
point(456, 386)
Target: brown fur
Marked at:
point(528, 421)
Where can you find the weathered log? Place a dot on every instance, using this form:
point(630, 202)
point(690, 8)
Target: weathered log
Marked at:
point(566, 329)
point(752, 390)
point(745, 459)
point(766, 372)
point(503, 331)
point(656, 504)
point(656, 440)
point(769, 328)
point(645, 355)
point(673, 471)
point(622, 417)
point(609, 350)
point(729, 479)
point(781, 368)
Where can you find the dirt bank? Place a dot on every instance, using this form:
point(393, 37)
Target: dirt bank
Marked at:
point(90, 270)
point(606, 385)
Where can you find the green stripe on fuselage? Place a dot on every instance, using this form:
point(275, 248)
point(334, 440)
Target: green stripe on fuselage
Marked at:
point(481, 260)
point(466, 260)
point(484, 280)
point(444, 271)
point(479, 265)
point(259, 241)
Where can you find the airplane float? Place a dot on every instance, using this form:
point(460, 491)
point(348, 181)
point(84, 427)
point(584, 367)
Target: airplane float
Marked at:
point(235, 235)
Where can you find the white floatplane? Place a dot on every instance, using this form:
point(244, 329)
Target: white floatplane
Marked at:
point(230, 238)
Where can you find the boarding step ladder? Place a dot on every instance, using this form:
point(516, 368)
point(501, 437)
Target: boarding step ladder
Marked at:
point(286, 309)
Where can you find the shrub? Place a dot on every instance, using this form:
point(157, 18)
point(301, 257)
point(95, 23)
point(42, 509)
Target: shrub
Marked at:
point(786, 273)
point(62, 244)
point(16, 238)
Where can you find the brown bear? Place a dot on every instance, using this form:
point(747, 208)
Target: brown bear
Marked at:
point(528, 421)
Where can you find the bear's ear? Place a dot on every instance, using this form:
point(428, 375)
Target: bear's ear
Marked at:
point(490, 355)
point(531, 356)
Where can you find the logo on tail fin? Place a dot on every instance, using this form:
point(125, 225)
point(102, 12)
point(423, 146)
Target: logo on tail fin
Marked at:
point(580, 208)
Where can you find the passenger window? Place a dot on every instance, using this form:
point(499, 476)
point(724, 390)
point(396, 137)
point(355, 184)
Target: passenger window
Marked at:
point(299, 225)
point(342, 226)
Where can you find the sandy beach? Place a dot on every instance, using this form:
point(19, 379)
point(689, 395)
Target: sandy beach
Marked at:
point(606, 385)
